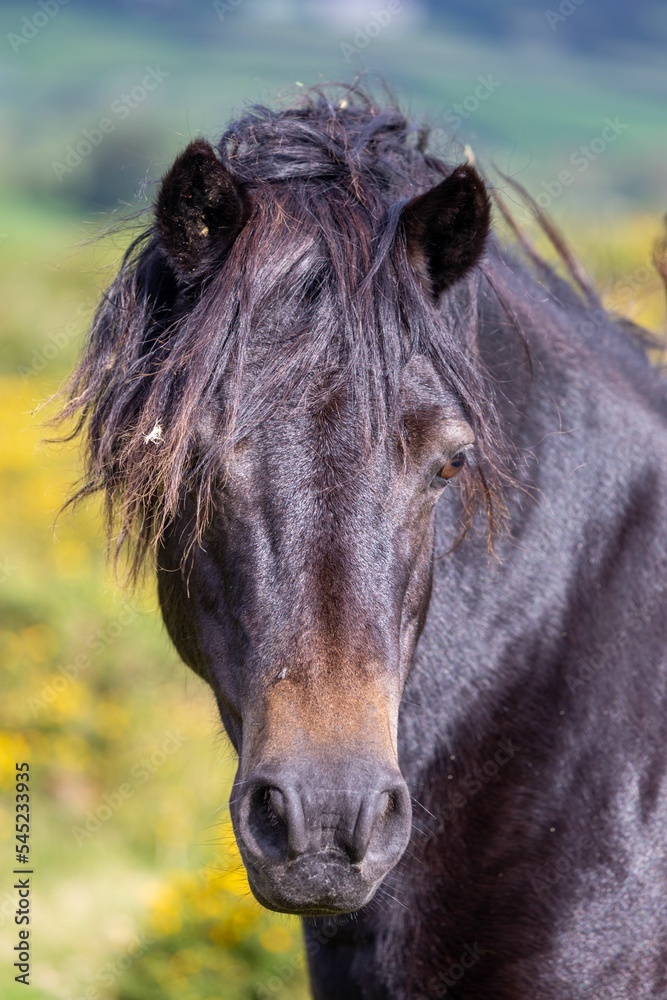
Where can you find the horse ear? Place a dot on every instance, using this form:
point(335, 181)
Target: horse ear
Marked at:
point(199, 210)
point(446, 228)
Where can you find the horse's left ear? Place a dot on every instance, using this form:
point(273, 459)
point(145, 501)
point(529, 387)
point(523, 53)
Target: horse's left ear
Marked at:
point(446, 228)
point(199, 210)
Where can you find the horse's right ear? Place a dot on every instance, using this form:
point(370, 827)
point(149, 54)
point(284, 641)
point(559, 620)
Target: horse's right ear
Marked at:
point(199, 210)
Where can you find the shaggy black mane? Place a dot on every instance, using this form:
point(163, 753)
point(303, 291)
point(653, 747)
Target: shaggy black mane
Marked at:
point(316, 296)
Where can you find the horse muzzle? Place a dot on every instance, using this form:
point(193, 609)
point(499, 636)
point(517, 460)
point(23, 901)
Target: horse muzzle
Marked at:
point(314, 844)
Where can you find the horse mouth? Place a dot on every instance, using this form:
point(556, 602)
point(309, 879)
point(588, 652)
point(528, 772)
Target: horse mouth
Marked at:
point(319, 885)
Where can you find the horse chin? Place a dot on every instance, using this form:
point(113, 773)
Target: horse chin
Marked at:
point(321, 885)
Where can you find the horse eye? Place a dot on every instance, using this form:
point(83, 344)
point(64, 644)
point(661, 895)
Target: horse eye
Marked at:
point(451, 469)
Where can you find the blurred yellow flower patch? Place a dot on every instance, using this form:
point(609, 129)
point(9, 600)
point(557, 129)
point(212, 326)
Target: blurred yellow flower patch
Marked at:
point(277, 939)
point(14, 749)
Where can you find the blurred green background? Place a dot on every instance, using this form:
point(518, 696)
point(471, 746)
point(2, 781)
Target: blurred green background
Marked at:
point(138, 891)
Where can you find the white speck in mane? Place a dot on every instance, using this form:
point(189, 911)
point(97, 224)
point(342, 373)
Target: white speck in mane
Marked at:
point(155, 435)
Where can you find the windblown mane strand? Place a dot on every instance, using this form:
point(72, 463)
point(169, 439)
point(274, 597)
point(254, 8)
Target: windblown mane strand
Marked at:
point(316, 296)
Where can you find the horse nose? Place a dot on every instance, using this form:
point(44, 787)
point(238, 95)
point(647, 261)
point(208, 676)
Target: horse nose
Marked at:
point(282, 818)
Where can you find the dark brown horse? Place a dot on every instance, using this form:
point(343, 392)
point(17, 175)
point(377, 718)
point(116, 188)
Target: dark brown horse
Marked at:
point(407, 494)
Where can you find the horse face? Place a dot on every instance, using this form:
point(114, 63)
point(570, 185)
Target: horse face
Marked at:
point(302, 610)
point(302, 598)
point(304, 603)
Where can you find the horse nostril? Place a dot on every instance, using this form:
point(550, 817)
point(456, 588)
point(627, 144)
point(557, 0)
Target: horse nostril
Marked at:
point(396, 806)
point(389, 830)
point(391, 803)
point(267, 821)
point(381, 826)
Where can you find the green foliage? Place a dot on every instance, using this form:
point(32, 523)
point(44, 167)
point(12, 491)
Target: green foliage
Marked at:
point(205, 939)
